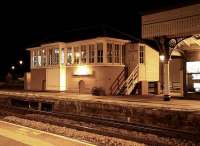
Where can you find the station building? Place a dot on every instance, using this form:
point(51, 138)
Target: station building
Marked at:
point(122, 66)
point(176, 32)
point(114, 65)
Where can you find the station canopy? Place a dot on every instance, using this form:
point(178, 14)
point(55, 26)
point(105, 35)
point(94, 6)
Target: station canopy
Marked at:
point(190, 43)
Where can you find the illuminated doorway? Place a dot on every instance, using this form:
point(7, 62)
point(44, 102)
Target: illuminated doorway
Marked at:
point(193, 77)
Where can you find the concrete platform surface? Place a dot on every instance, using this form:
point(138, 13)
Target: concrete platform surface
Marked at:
point(11, 134)
point(144, 101)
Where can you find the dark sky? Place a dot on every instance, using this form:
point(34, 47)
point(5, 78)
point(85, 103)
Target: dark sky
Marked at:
point(26, 23)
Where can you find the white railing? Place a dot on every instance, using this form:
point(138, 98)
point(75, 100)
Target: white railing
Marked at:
point(132, 80)
point(129, 84)
point(175, 87)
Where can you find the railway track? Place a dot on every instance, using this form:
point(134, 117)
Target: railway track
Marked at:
point(164, 132)
point(132, 126)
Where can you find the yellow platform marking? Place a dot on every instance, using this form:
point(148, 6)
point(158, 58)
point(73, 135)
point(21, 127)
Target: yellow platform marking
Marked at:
point(27, 131)
point(26, 135)
point(23, 138)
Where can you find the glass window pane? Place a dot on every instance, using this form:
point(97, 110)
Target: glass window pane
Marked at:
point(39, 60)
point(141, 54)
point(44, 57)
point(100, 52)
point(193, 67)
point(62, 56)
point(196, 76)
point(116, 53)
point(109, 53)
point(56, 53)
point(83, 54)
point(91, 54)
point(35, 59)
point(50, 56)
point(69, 56)
point(76, 55)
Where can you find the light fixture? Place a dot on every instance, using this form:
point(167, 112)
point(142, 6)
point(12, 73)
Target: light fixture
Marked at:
point(20, 62)
point(162, 57)
point(13, 67)
point(83, 70)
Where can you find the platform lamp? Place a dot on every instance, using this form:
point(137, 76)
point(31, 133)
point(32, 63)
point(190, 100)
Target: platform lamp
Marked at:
point(12, 72)
point(21, 62)
point(162, 57)
point(13, 67)
point(21, 67)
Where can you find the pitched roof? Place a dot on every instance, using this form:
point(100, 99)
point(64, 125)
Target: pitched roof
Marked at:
point(86, 33)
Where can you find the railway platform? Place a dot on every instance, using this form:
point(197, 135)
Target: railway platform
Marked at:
point(178, 114)
point(151, 101)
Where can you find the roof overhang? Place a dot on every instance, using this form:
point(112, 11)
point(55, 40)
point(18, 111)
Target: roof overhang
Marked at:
point(180, 22)
point(189, 44)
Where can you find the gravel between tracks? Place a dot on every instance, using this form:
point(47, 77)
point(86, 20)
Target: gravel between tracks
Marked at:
point(90, 137)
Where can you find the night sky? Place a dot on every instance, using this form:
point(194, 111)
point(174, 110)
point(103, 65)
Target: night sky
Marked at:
point(24, 24)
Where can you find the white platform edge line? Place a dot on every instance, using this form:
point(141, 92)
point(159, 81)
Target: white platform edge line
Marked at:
point(52, 134)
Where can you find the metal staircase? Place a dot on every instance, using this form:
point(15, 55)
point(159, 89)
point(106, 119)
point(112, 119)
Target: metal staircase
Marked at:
point(123, 85)
point(115, 87)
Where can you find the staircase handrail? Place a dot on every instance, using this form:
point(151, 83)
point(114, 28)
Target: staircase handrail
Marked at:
point(132, 79)
point(118, 81)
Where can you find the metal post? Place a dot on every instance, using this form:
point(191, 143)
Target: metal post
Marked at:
point(166, 80)
point(165, 48)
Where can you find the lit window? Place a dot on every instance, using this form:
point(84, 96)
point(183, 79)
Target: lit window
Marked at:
point(43, 57)
point(50, 56)
point(142, 49)
point(82, 70)
point(109, 53)
point(35, 59)
point(196, 87)
point(39, 58)
point(53, 57)
point(83, 54)
point(56, 57)
point(62, 56)
point(100, 52)
point(69, 56)
point(76, 55)
point(196, 76)
point(116, 53)
point(193, 67)
point(91, 53)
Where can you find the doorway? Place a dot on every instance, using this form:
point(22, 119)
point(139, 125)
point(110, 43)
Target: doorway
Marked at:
point(81, 85)
point(43, 85)
point(176, 77)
